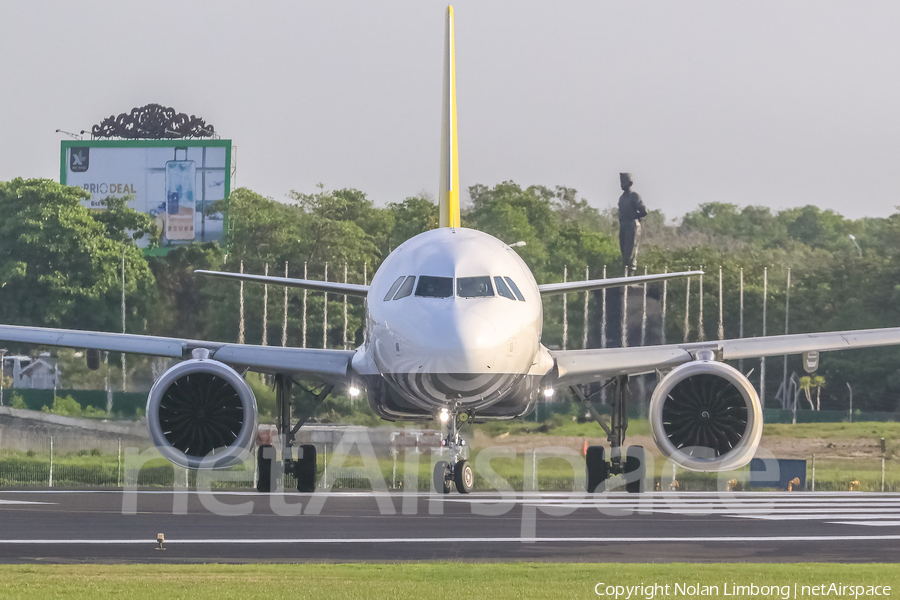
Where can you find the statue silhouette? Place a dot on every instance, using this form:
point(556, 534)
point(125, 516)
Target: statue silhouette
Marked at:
point(631, 211)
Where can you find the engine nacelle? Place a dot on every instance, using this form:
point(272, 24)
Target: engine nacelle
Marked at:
point(202, 414)
point(706, 416)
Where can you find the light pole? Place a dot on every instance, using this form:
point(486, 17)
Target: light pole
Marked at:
point(124, 365)
point(851, 401)
point(787, 312)
point(3, 352)
point(853, 239)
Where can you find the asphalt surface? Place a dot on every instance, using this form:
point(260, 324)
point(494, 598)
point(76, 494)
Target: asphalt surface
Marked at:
point(122, 527)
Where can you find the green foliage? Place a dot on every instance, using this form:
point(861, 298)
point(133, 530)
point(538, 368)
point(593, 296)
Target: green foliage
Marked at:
point(74, 373)
point(341, 409)
point(415, 215)
point(93, 412)
point(60, 263)
point(123, 223)
point(265, 395)
point(829, 431)
point(67, 406)
point(64, 405)
point(339, 227)
point(17, 402)
point(181, 294)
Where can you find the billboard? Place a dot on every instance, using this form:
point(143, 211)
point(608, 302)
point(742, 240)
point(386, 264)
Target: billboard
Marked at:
point(175, 181)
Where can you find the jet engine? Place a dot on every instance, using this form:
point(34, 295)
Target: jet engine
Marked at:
point(202, 414)
point(706, 416)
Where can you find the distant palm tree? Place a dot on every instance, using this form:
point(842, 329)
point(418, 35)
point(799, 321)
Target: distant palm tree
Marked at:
point(806, 385)
point(818, 382)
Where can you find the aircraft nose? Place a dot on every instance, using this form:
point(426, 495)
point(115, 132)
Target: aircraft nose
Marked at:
point(456, 341)
point(458, 337)
point(459, 329)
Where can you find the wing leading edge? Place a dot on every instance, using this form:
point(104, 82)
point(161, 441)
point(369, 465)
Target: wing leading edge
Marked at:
point(599, 284)
point(584, 366)
point(332, 287)
point(329, 366)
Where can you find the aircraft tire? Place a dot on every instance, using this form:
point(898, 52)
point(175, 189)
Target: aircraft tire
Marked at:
point(442, 483)
point(305, 469)
point(267, 468)
point(464, 477)
point(597, 469)
point(636, 467)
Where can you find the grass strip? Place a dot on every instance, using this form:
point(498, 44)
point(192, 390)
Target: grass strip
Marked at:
point(496, 581)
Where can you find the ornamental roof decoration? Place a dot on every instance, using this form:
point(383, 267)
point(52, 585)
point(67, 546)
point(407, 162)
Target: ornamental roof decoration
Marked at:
point(153, 122)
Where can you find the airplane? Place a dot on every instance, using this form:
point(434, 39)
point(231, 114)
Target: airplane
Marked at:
point(453, 321)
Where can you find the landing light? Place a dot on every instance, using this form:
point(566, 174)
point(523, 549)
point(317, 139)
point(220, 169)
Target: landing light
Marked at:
point(354, 391)
point(548, 393)
point(445, 415)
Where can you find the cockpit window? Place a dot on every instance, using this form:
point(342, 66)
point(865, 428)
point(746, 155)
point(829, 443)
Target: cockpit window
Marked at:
point(503, 289)
point(394, 287)
point(434, 287)
point(406, 289)
point(474, 287)
point(515, 289)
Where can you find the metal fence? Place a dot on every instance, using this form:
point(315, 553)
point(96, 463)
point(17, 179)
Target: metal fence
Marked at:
point(77, 460)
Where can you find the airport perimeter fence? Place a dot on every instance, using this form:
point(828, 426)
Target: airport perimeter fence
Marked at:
point(28, 460)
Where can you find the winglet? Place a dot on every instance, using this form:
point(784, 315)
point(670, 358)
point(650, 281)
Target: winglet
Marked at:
point(449, 189)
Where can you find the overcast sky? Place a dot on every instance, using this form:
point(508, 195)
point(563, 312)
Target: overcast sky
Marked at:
point(774, 103)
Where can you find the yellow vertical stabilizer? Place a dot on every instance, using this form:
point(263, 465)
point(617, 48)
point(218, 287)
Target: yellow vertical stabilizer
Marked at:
point(449, 190)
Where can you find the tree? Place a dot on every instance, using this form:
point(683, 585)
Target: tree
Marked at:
point(336, 228)
point(180, 310)
point(415, 215)
point(818, 382)
point(571, 210)
point(512, 214)
point(75, 374)
point(805, 385)
point(329, 229)
point(123, 223)
point(816, 228)
point(60, 262)
point(261, 227)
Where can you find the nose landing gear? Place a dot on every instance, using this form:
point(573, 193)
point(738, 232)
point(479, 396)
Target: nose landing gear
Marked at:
point(457, 470)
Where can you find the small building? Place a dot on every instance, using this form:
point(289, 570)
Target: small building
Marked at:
point(32, 373)
point(13, 365)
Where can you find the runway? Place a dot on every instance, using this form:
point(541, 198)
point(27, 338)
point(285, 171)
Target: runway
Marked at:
point(238, 526)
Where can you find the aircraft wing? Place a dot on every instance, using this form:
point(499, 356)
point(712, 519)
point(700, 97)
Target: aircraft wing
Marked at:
point(332, 287)
point(585, 366)
point(328, 366)
point(599, 284)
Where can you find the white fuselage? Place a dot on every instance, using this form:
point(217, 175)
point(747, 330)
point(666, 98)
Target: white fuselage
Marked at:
point(464, 333)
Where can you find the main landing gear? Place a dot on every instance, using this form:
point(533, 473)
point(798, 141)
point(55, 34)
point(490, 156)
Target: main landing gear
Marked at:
point(303, 468)
point(632, 463)
point(457, 470)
